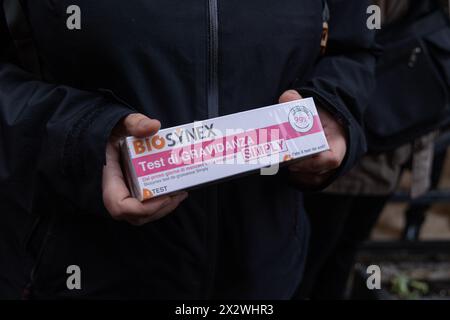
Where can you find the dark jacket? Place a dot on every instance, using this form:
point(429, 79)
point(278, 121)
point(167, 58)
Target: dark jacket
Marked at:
point(412, 93)
point(241, 239)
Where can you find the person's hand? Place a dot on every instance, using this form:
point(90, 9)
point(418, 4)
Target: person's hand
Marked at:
point(116, 196)
point(316, 170)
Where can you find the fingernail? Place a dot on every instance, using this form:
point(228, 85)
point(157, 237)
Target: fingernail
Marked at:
point(293, 93)
point(143, 124)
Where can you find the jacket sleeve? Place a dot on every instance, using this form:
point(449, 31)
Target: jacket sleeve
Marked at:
point(343, 78)
point(51, 136)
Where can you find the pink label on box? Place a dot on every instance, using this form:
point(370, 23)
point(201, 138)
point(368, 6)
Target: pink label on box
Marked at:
point(208, 150)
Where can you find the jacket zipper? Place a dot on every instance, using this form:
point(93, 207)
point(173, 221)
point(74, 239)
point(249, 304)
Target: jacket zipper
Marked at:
point(213, 57)
point(213, 111)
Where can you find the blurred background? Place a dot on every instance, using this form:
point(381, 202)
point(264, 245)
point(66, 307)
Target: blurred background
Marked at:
point(392, 211)
point(436, 223)
point(410, 243)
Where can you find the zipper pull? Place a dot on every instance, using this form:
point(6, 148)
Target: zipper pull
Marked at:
point(325, 27)
point(414, 57)
point(324, 40)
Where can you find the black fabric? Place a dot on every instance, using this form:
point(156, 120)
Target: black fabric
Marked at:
point(152, 57)
point(408, 102)
point(20, 31)
point(413, 79)
point(339, 224)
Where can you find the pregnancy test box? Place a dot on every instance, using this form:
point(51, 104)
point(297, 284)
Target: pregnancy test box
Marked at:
point(186, 156)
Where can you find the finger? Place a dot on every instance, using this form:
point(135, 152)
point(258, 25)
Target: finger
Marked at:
point(290, 95)
point(113, 182)
point(325, 161)
point(138, 125)
point(176, 200)
point(133, 208)
point(319, 164)
point(165, 210)
point(310, 180)
point(116, 195)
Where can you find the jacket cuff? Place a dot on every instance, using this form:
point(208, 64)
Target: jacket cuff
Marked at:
point(356, 143)
point(84, 154)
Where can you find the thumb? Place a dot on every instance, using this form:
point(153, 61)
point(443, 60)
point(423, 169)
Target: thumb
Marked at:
point(290, 95)
point(137, 125)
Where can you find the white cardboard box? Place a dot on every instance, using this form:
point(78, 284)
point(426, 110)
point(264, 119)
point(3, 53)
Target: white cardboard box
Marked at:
point(190, 155)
